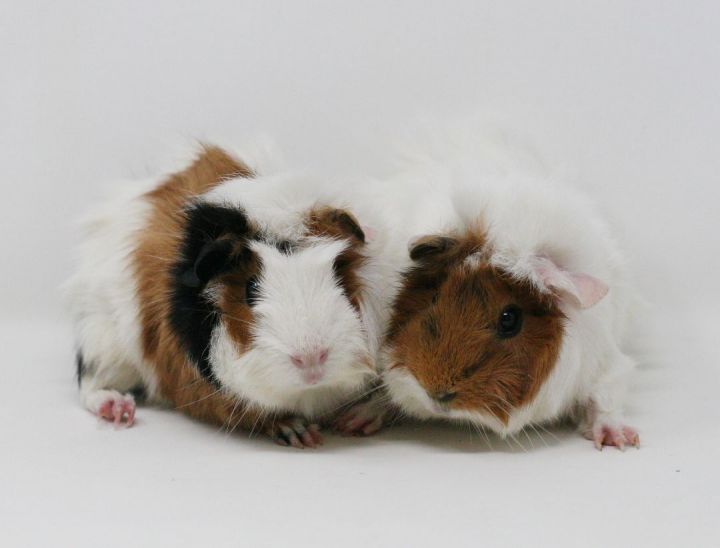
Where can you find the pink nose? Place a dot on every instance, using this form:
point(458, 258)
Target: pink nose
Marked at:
point(310, 359)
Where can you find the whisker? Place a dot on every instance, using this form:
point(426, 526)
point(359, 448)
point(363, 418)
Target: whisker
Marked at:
point(200, 399)
point(398, 415)
point(257, 420)
point(553, 436)
point(527, 435)
point(539, 435)
point(356, 399)
point(190, 384)
point(226, 423)
point(482, 431)
point(512, 437)
point(240, 419)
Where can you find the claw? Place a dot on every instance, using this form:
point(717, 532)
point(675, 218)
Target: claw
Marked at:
point(314, 431)
point(631, 436)
point(373, 426)
point(618, 437)
point(363, 419)
point(118, 409)
point(296, 434)
point(291, 437)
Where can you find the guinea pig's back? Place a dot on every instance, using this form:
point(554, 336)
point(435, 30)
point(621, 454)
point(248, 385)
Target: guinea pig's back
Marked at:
point(101, 294)
point(116, 296)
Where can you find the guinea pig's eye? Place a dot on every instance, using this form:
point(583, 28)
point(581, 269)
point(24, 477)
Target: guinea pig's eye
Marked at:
point(252, 287)
point(510, 322)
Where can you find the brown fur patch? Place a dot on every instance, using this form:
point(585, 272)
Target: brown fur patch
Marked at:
point(159, 246)
point(444, 328)
point(232, 302)
point(341, 224)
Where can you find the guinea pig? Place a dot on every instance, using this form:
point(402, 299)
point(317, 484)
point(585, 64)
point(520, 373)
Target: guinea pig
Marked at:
point(516, 315)
point(235, 297)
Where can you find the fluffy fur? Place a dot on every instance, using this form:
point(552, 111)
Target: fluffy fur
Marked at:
point(160, 300)
point(516, 236)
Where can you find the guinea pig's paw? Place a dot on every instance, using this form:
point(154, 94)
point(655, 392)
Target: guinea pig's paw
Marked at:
point(362, 419)
point(117, 408)
point(295, 432)
point(618, 435)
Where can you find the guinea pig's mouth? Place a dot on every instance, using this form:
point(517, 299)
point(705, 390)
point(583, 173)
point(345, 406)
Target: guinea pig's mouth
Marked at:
point(312, 376)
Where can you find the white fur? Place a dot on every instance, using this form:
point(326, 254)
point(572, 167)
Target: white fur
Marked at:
point(101, 298)
point(300, 307)
point(499, 186)
point(278, 204)
point(301, 303)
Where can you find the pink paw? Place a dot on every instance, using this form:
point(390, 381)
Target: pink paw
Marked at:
point(619, 436)
point(118, 409)
point(363, 419)
point(296, 432)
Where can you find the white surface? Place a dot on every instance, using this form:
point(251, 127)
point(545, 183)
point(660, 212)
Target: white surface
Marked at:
point(625, 92)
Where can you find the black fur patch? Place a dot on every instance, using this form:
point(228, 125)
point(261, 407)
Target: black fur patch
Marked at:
point(192, 316)
point(285, 246)
point(139, 393)
point(81, 367)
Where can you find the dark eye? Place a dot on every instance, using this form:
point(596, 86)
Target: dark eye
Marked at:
point(252, 288)
point(509, 322)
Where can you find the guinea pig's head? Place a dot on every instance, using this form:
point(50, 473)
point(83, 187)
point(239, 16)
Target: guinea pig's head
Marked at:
point(470, 340)
point(273, 321)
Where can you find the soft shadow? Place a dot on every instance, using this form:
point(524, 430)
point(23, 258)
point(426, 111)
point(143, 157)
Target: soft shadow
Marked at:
point(462, 438)
point(456, 437)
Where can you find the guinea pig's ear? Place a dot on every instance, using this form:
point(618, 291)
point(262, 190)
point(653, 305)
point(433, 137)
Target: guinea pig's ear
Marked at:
point(214, 257)
point(424, 247)
point(336, 222)
point(580, 288)
point(350, 225)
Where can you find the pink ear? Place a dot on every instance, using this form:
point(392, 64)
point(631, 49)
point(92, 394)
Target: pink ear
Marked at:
point(584, 290)
point(370, 233)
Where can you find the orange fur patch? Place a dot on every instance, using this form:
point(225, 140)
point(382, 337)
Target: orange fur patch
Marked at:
point(444, 328)
point(341, 224)
point(158, 248)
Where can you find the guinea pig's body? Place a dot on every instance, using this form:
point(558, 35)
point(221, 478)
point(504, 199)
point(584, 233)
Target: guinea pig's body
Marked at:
point(515, 314)
point(236, 297)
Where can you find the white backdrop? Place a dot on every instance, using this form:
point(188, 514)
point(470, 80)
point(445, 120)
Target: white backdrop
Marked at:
point(627, 93)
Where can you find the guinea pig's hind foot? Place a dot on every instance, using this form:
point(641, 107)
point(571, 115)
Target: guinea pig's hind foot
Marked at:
point(295, 432)
point(362, 419)
point(113, 406)
point(618, 436)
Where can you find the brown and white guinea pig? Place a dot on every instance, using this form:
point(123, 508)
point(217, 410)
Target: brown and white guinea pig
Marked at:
point(233, 296)
point(514, 316)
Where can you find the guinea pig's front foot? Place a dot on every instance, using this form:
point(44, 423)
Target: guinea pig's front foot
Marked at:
point(295, 432)
point(619, 436)
point(362, 419)
point(117, 408)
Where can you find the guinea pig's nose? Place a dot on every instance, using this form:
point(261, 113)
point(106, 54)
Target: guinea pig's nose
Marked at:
point(317, 356)
point(444, 397)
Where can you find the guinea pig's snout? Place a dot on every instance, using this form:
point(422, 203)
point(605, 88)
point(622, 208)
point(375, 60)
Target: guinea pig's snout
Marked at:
point(310, 359)
point(310, 363)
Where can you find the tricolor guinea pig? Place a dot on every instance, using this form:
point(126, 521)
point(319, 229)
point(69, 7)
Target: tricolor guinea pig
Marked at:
point(235, 297)
point(516, 315)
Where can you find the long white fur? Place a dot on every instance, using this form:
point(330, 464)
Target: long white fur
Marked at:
point(300, 307)
point(498, 185)
point(101, 297)
point(301, 304)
